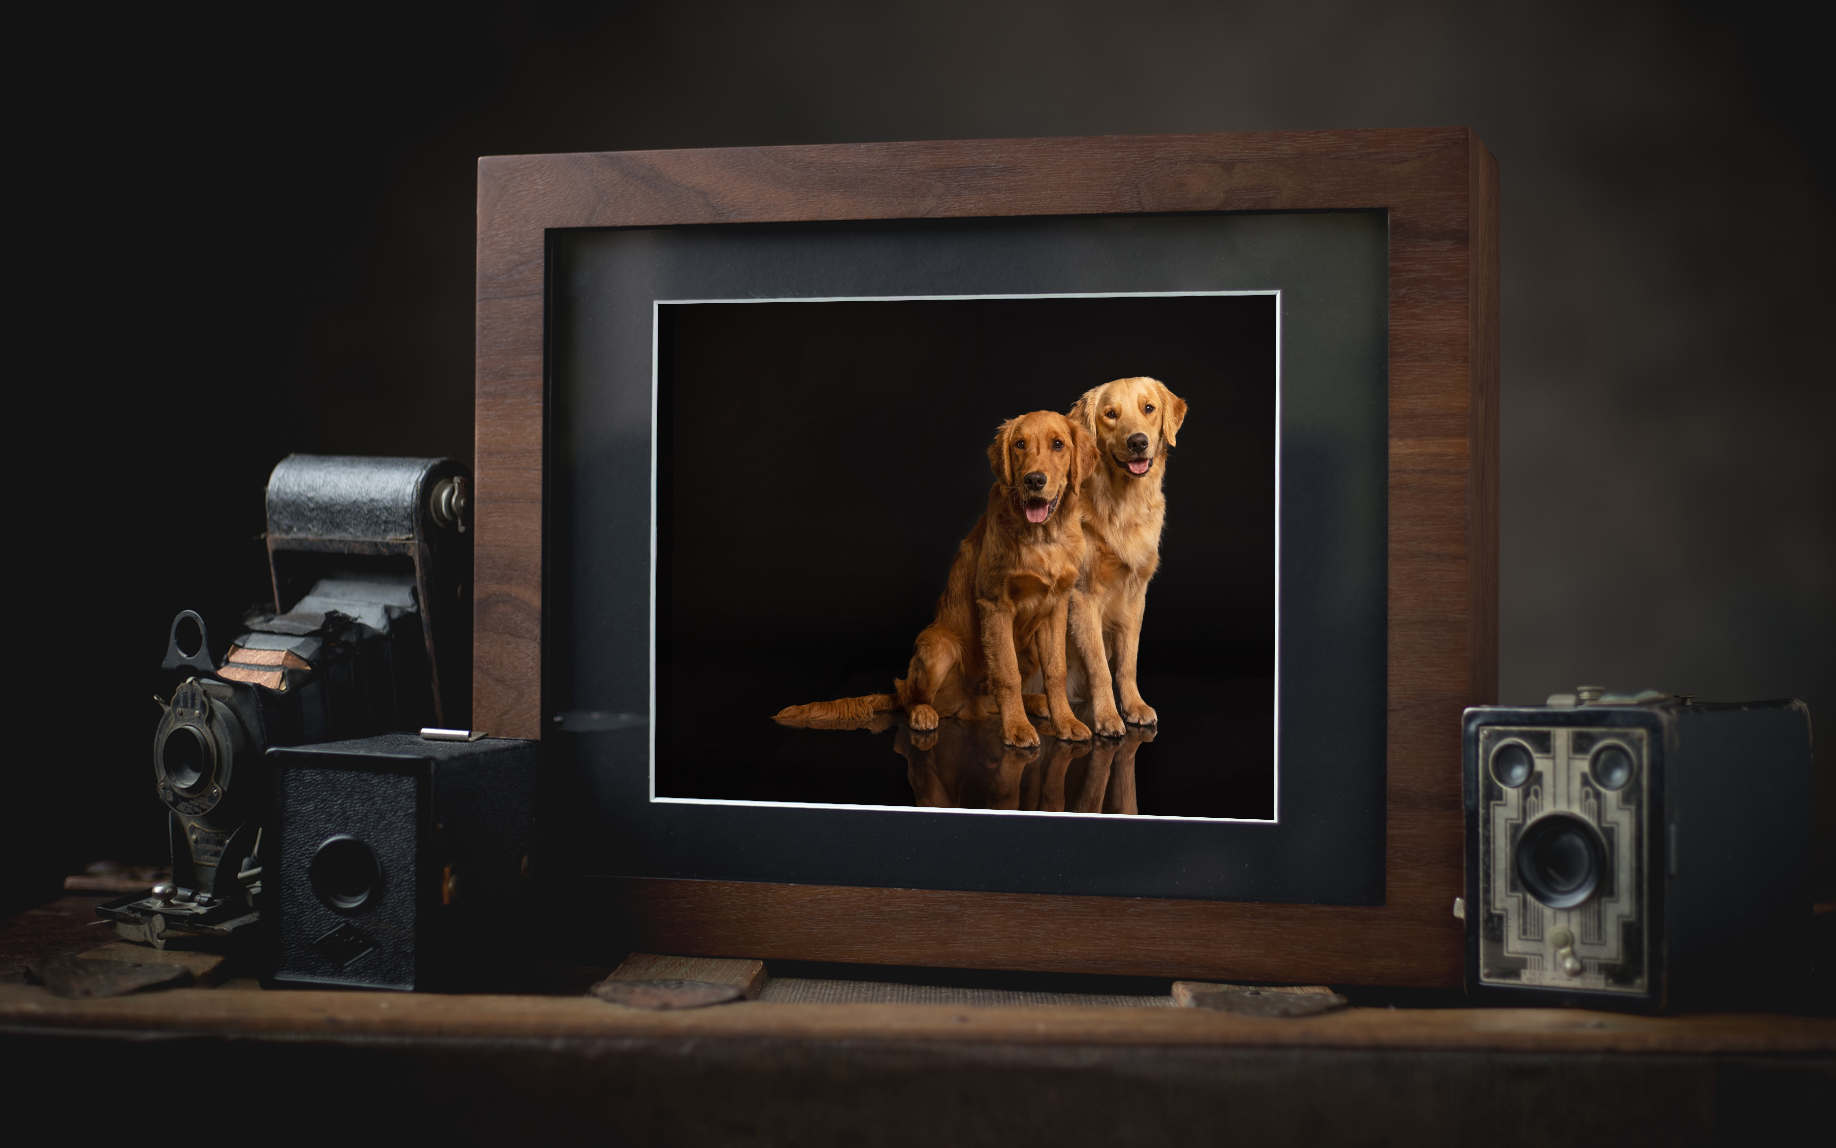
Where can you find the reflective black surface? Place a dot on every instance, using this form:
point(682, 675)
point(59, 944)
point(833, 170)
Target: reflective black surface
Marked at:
point(1214, 759)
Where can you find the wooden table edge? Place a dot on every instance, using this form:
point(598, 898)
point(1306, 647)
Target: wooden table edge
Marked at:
point(346, 1015)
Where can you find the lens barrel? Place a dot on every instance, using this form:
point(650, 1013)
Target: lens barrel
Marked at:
point(1560, 860)
point(186, 757)
point(345, 875)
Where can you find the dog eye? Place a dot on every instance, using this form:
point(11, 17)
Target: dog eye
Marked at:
point(1058, 444)
point(1019, 444)
point(1109, 414)
point(1150, 408)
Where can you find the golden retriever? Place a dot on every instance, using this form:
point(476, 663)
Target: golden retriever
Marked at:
point(1007, 595)
point(1134, 423)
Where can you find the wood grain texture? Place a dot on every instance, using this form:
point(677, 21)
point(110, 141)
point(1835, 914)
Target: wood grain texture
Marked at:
point(1482, 496)
point(1136, 936)
point(358, 1016)
point(1439, 188)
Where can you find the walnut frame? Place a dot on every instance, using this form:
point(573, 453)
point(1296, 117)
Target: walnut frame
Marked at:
point(1439, 187)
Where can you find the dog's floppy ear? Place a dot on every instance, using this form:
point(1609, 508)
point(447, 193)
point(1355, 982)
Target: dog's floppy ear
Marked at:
point(1083, 412)
point(1083, 454)
point(1173, 413)
point(1000, 456)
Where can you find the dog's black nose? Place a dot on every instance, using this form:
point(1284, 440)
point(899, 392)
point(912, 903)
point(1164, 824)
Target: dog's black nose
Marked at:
point(1035, 480)
point(1138, 443)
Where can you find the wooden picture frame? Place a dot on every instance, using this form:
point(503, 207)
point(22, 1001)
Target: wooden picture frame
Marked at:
point(1439, 189)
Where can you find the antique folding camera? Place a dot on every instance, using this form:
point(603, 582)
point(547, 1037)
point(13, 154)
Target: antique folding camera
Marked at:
point(370, 565)
point(1643, 852)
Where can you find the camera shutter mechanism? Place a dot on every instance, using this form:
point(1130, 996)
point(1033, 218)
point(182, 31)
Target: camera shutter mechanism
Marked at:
point(1562, 941)
point(191, 754)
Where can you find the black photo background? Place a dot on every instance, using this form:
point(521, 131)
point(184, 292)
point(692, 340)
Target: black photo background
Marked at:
point(820, 462)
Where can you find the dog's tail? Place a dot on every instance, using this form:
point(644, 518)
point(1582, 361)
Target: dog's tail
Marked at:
point(842, 713)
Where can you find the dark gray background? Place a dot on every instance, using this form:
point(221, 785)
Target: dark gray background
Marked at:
point(243, 239)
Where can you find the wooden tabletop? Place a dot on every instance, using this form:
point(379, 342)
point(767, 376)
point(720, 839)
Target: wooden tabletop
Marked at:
point(292, 1013)
point(241, 1008)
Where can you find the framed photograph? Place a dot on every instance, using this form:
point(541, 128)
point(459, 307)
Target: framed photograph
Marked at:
point(746, 429)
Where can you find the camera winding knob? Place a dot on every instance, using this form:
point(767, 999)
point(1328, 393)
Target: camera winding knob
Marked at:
point(451, 503)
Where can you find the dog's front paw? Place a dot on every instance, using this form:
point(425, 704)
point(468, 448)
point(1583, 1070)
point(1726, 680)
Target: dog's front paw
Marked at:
point(923, 717)
point(1070, 730)
point(1020, 733)
point(1110, 724)
point(1036, 705)
point(1140, 713)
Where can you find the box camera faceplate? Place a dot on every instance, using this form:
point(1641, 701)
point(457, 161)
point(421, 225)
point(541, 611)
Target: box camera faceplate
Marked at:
point(1562, 828)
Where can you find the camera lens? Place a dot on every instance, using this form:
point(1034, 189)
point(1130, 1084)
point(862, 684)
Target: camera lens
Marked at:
point(1511, 764)
point(1560, 859)
point(182, 755)
point(1612, 766)
point(344, 874)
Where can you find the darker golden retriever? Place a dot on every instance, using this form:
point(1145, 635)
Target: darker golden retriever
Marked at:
point(1002, 615)
point(1134, 423)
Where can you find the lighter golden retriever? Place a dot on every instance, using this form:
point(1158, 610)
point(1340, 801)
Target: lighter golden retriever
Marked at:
point(1134, 423)
point(1006, 598)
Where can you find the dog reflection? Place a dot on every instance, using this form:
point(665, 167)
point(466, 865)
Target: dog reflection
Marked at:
point(966, 765)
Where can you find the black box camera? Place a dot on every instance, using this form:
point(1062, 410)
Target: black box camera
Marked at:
point(404, 863)
point(1640, 853)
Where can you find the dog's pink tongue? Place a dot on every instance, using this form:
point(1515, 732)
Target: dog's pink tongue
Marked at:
point(1037, 509)
point(1140, 465)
